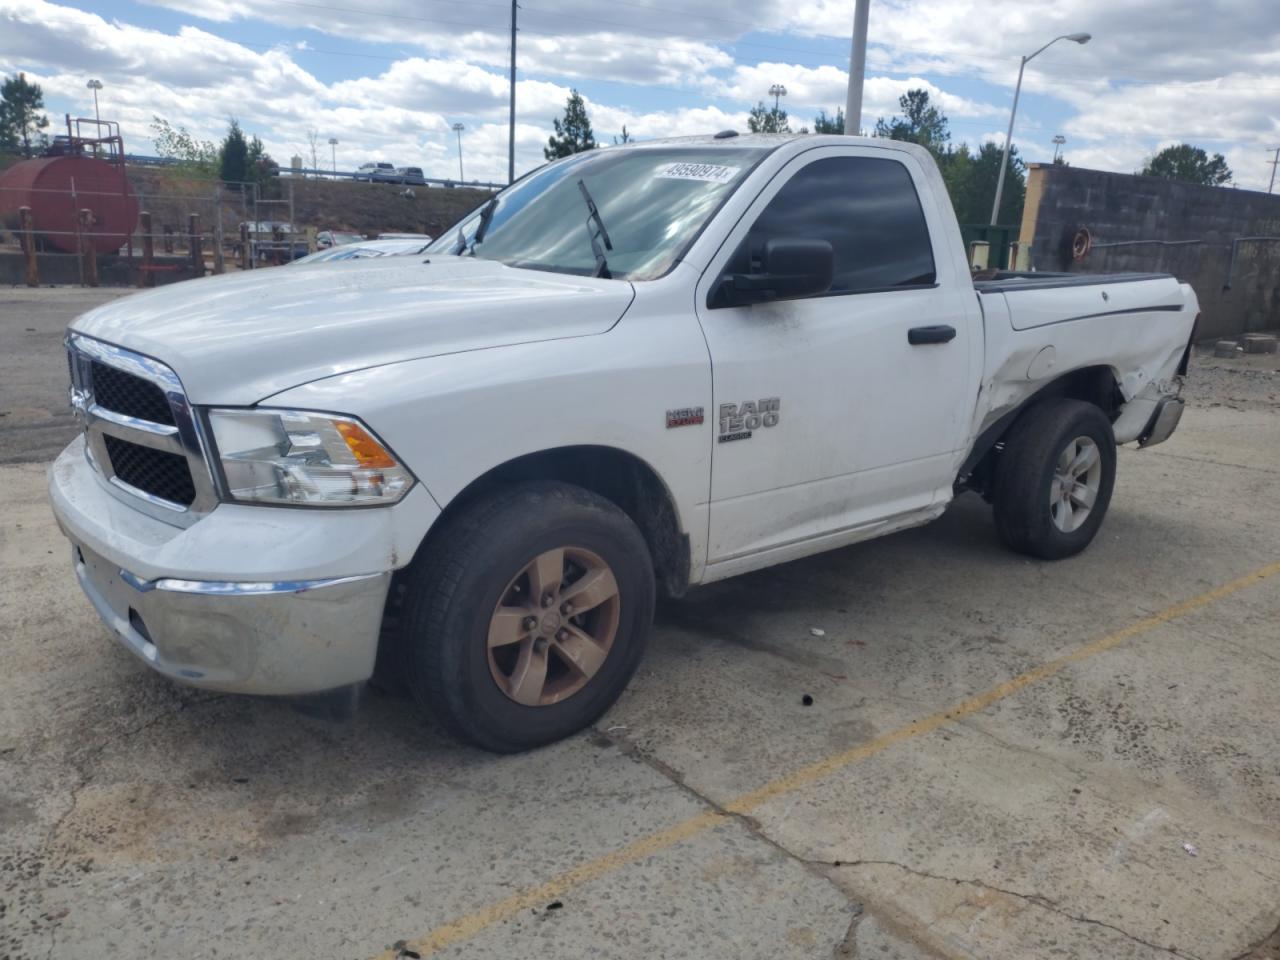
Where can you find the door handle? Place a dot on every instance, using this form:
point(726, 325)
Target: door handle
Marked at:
point(939, 333)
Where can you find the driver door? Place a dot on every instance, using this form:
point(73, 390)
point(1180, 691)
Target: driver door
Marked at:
point(830, 423)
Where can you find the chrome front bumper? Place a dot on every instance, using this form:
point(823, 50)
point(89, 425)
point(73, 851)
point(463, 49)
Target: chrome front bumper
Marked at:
point(289, 637)
point(247, 600)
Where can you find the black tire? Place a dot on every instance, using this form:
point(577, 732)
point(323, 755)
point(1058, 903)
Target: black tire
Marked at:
point(453, 589)
point(1024, 477)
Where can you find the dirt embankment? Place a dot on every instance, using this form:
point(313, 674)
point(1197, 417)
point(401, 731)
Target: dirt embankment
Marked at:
point(368, 208)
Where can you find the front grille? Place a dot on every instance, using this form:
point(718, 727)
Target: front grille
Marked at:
point(130, 395)
point(161, 474)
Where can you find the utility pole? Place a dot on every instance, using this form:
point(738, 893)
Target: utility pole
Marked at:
point(511, 122)
point(857, 69)
point(333, 151)
point(1274, 163)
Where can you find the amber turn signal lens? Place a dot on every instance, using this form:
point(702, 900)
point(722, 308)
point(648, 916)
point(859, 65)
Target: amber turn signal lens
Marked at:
point(367, 450)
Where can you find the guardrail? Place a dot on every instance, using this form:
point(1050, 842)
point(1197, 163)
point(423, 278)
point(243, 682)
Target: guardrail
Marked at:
point(145, 161)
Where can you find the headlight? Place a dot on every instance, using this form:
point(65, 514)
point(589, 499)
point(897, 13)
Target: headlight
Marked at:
point(298, 457)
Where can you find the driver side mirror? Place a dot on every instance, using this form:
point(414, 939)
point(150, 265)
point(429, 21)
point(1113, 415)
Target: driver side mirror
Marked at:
point(790, 268)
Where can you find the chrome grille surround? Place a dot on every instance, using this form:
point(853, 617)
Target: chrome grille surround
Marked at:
point(184, 437)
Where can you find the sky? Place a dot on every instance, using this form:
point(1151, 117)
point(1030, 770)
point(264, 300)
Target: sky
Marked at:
point(389, 78)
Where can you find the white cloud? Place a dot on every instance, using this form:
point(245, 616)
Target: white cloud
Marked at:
point(1154, 71)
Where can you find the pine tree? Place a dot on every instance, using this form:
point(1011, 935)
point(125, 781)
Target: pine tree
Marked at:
point(233, 158)
point(764, 119)
point(20, 118)
point(825, 124)
point(573, 133)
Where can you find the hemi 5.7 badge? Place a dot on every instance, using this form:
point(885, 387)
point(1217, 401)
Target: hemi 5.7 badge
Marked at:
point(684, 417)
point(738, 420)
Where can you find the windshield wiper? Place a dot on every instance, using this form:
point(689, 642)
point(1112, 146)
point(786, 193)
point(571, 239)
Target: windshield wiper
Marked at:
point(597, 234)
point(486, 217)
point(460, 246)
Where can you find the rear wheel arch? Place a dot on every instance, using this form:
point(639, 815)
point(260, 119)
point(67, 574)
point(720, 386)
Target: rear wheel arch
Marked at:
point(1098, 385)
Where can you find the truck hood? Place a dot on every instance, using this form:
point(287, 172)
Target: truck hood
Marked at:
point(239, 338)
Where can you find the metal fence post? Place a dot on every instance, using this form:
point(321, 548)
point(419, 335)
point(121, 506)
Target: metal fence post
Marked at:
point(194, 244)
point(219, 265)
point(88, 256)
point(27, 238)
point(75, 211)
point(148, 276)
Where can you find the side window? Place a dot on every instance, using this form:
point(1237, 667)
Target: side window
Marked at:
point(866, 208)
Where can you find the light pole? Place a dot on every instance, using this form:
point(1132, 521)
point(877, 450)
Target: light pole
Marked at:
point(333, 153)
point(777, 91)
point(1058, 141)
point(458, 128)
point(1008, 137)
point(95, 86)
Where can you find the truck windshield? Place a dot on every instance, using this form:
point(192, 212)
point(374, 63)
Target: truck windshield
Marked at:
point(654, 201)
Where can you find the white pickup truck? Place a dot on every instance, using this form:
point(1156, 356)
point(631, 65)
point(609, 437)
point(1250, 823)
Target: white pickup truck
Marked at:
point(636, 369)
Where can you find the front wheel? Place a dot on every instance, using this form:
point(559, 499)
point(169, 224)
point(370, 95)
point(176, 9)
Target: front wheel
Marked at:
point(1054, 479)
point(527, 615)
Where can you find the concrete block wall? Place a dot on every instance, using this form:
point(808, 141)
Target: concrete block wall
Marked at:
point(1196, 226)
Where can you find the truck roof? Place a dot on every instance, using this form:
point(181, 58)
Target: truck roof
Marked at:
point(774, 141)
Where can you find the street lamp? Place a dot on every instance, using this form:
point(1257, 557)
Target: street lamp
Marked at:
point(1058, 141)
point(95, 86)
point(777, 91)
point(333, 151)
point(1008, 137)
point(458, 128)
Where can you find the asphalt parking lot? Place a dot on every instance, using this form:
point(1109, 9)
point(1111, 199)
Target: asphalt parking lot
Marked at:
point(919, 747)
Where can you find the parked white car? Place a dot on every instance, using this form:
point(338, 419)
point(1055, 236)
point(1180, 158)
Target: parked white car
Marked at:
point(366, 249)
point(336, 238)
point(378, 171)
point(634, 370)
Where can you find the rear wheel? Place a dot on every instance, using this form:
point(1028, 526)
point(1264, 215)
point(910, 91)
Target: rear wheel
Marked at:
point(528, 615)
point(1054, 479)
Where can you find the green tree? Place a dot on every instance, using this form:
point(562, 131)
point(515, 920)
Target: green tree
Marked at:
point(764, 119)
point(1190, 164)
point(197, 157)
point(920, 123)
point(20, 118)
point(261, 169)
point(986, 170)
point(233, 157)
point(573, 133)
point(625, 138)
point(825, 124)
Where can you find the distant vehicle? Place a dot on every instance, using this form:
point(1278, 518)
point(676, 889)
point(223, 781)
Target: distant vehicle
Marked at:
point(411, 175)
point(273, 241)
point(406, 236)
point(367, 249)
point(333, 238)
point(378, 172)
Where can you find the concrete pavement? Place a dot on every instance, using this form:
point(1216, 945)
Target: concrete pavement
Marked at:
point(952, 787)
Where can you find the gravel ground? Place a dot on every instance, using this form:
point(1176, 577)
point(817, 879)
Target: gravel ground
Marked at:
point(1245, 382)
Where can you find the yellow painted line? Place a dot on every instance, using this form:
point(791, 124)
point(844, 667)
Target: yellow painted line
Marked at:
point(464, 928)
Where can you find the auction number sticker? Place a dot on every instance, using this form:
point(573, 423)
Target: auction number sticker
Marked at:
point(707, 172)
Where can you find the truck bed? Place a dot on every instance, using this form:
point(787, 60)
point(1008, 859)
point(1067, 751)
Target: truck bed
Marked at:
point(1007, 281)
point(1042, 299)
